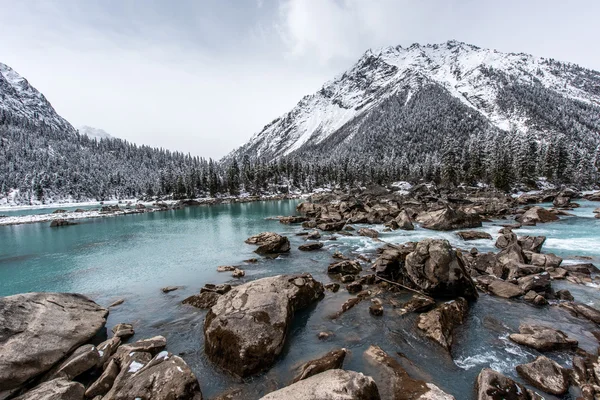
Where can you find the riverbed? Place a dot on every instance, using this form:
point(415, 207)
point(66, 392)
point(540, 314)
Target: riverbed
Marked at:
point(132, 257)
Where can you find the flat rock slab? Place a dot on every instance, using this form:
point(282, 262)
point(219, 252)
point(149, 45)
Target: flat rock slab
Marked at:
point(246, 329)
point(394, 382)
point(40, 329)
point(56, 389)
point(542, 338)
point(545, 374)
point(335, 384)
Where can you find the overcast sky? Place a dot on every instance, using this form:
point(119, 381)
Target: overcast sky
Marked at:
point(202, 76)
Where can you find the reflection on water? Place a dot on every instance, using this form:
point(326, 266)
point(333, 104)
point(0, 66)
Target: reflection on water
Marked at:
point(132, 257)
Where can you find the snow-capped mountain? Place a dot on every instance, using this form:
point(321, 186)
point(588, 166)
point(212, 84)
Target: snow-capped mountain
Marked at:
point(20, 100)
point(94, 133)
point(502, 89)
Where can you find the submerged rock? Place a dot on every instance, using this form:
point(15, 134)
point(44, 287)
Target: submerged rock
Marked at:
point(311, 246)
point(492, 385)
point(269, 243)
point(435, 269)
point(439, 323)
point(332, 360)
point(40, 329)
point(394, 382)
point(546, 375)
point(335, 384)
point(542, 338)
point(61, 222)
point(246, 329)
point(204, 300)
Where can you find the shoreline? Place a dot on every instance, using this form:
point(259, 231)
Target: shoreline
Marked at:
point(130, 207)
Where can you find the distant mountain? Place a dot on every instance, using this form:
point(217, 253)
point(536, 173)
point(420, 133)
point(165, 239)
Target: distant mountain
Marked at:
point(44, 159)
point(22, 101)
point(93, 133)
point(412, 106)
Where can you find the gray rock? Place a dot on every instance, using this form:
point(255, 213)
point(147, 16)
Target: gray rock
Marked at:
point(546, 375)
point(394, 382)
point(404, 221)
point(246, 329)
point(40, 329)
point(269, 243)
point(492, 385)
point(123, 331)
point(448, 219)
point(474, 235)
point(204, 300)
point(583, 311)
point(57, 389)
point(345, 267)
point(311, 246)
point(376, 308)
point(332, 360)
point(536, 215)
point(542, 338)
point(372, 233)
point(61, 222)
point(439, 323)
point(82, 360)
point(103, 384)
point(504, 289)
point(532, 243)
point(545, 260)
point(538, 283)
point(106, 350)
point(417, 303)
point(335, 384)
point(165, 377)
point(435, 269)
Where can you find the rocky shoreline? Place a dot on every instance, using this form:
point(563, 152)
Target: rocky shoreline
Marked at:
point(56, 346)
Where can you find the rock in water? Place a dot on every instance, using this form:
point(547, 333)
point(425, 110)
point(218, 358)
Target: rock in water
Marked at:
point(335, 384)
point(270, 243)
point(40, 329)
point(542, 338)
point(56, 389)
point(394, 382)
point(474, 235)
point(372, 233)
point(492, 385)
point(545, 374)
point(404, 221)
point(439, 323)
point(311, 246)
point(246, 329)
point(332, 360)
point(536, 214)
point(435, 269)
point(504, 289)
point(165, 377)
point(448, 219)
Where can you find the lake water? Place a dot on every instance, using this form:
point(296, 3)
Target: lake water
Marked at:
point(133, 256)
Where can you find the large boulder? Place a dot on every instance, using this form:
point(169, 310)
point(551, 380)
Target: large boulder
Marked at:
point(439, 323)
point(388, 265)
point(448, 219)
point(545, 374)
point(492, 385)
point(536, 215)
point(39, 329)
point(434, 268)
point(404, 221)
point(532, 243)
point(246, 329)
point(165, 377)
point(542, 338)
point(335, 384)
point(394, 382)
point(269, 243)
point(332, 360)
point(56, 389)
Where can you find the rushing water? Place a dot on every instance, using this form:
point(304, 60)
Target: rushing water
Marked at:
point(133, 256)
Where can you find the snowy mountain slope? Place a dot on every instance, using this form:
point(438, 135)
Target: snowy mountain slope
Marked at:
point(479, 78)
point(94, 133)
point(20, 100)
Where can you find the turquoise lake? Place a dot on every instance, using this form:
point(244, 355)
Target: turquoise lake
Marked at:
point(132, 257)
